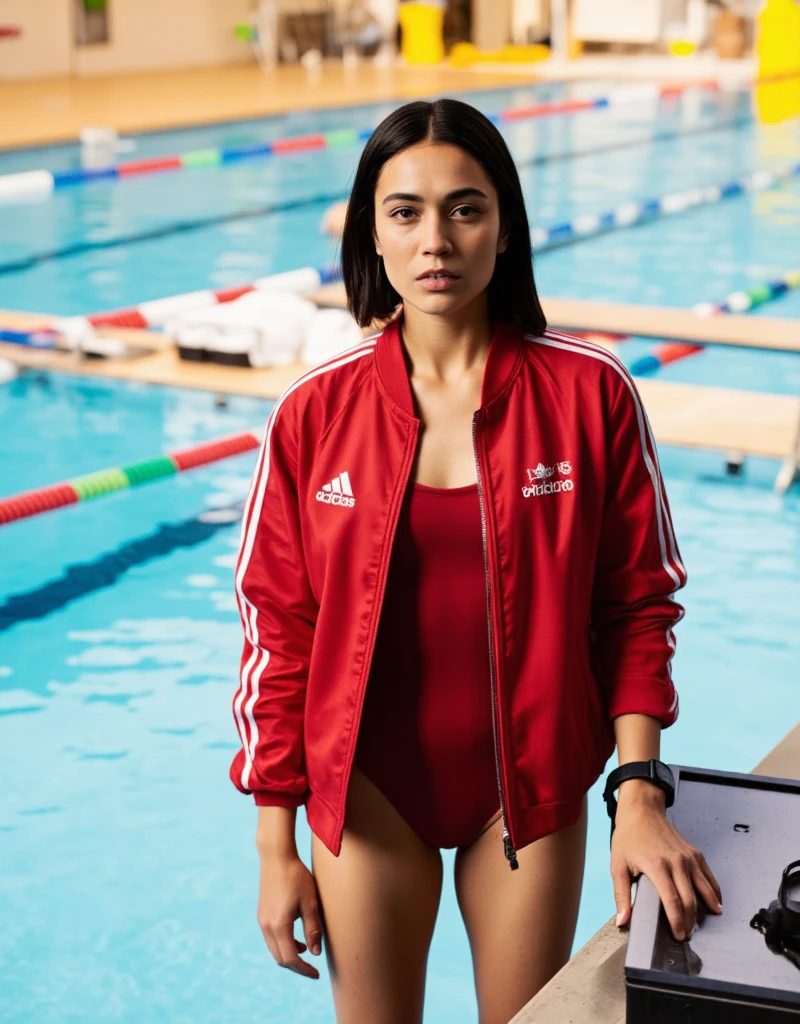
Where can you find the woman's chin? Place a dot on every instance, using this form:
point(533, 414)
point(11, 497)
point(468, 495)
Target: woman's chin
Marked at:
point(439, 303)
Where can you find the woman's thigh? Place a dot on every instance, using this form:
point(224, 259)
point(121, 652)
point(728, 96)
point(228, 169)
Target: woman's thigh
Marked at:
point(521, 924)
point(379, 900)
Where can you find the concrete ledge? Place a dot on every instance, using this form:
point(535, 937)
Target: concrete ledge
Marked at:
point(591, 987)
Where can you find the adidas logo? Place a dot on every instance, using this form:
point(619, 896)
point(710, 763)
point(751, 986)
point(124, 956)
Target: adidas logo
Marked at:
point(535, 490)
point(337, 492)
point(539, 482)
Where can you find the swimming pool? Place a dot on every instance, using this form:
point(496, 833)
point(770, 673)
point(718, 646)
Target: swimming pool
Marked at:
point(128, 871)
point(151, 244)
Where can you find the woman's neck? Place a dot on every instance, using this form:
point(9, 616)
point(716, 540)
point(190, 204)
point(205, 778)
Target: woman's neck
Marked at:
point(445, 348)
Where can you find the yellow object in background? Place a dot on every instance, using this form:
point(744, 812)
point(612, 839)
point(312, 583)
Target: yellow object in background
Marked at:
point(464, 55)
point(778, 50)
point(422, 32)
point(682, 48)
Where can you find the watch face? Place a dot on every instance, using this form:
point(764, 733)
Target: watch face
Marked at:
point(664, 773)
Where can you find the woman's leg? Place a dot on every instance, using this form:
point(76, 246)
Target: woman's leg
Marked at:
point(521, 924)
point(379, 900)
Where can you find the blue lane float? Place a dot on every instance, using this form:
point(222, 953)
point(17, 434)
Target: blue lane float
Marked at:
point(41, 338)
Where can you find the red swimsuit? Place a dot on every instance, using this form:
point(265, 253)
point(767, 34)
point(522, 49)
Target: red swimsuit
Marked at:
point(425, 738)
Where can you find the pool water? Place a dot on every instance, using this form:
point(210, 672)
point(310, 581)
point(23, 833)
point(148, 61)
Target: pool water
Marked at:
point(128, 875)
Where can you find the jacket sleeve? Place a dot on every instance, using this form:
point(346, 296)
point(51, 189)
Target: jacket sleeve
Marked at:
point(637, 572)
point(278, 614)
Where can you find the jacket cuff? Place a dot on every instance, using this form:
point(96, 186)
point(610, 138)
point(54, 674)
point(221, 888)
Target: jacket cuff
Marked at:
point(645, 697)
point(264, 798)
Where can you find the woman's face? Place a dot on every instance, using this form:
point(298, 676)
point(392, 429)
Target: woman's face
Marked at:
point(436, 210)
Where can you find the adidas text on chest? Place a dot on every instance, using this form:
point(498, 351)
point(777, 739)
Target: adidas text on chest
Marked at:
point(337, 492)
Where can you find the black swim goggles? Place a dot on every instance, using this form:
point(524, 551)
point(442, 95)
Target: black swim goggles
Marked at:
point(780, 922)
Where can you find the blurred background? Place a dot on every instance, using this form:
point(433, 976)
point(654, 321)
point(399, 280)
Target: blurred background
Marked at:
point(173, 178)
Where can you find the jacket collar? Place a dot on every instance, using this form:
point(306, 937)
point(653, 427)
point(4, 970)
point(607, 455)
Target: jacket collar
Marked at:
point(502, 363)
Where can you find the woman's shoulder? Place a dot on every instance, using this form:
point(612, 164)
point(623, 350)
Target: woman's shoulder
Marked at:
point(579, 360)
point(322, 389)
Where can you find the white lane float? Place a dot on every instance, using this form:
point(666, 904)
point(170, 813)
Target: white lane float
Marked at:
point(8, 371)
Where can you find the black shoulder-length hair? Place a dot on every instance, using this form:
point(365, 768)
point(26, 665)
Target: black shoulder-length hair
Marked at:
point(512, 293)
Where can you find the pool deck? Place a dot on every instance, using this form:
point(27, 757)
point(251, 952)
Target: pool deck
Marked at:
point(49, 110)
point(591, 987)
point(691, 415)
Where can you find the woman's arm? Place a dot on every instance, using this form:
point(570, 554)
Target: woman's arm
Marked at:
point(637, 574)
point(287, 890)
point(638, 570)
point(278, 613)
point(275, 833)
point(638, 739)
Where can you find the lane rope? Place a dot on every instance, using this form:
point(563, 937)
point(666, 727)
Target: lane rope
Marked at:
point(154, 314)
point(630, 214)
point(543, 238)
point(737, 302)
point(42, 183)
point(107, 481)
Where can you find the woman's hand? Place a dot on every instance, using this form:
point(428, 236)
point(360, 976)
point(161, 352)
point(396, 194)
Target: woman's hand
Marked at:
point(287, 891)
point(646, 842)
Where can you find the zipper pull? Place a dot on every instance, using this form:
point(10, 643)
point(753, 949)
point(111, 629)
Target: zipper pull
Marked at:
point(511, 853)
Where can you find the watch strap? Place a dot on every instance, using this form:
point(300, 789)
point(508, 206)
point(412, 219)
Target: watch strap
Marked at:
point(639, 770)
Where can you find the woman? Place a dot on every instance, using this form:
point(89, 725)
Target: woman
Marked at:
point(464, 512)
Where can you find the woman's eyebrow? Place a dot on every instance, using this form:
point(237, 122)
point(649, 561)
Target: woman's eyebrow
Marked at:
point(459, 193)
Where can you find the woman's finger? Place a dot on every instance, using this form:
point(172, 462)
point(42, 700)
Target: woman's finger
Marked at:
point(272, 945)
point(682, 880)
point(709, 874)
point(704, 886)
point(622, 893)
point(312, 926)
point(661, 877)
point(288, 953)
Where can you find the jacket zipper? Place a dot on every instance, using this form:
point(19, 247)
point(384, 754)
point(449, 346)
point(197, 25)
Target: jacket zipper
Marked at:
point(510, 852)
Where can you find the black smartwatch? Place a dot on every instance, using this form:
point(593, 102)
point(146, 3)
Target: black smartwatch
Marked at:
point(654, 771)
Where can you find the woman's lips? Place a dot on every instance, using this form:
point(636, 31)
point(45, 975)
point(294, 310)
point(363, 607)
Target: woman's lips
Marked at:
point(438, 282)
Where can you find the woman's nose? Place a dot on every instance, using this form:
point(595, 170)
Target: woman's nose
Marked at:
point(436, 241)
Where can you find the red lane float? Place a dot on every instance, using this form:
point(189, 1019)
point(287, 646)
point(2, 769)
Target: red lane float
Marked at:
point(150, 166)
point(547, 109)
point(119, 318)
point(213, 451)
point(298, 143)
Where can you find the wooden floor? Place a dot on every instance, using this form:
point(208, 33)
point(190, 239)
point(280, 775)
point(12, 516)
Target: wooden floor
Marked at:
point(55, 109)
point(749, 422)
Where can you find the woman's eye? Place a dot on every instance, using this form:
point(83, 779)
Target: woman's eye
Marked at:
point(402, 210)
point(468, 211)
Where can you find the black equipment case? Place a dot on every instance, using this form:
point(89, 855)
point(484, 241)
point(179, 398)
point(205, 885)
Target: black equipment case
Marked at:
point(748, 828)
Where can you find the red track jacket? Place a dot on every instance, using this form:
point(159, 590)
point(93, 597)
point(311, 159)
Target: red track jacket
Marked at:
point(581, 568)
